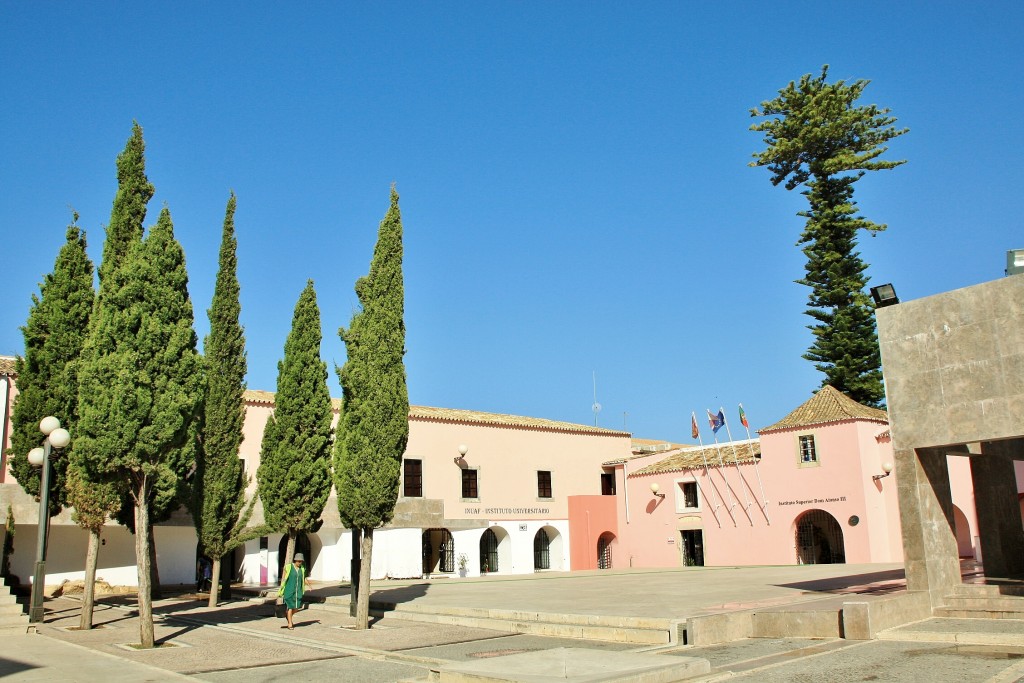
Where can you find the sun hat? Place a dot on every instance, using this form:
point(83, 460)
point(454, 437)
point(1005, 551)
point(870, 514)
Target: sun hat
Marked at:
point(299, 557)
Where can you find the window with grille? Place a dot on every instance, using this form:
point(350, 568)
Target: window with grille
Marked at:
point(689, 493)
point(543, 484)
point(469, 484)
point(607, 483)
point(413, 484)
point(807, 452)
point(541, 550)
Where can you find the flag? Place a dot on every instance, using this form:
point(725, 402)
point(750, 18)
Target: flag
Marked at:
point(716, 421)
point(694, 432)
point(743, 417)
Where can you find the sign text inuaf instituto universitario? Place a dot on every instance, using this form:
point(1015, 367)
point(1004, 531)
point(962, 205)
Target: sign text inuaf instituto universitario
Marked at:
point(507, 511)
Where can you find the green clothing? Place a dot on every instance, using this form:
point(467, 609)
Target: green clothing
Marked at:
point(293, 585)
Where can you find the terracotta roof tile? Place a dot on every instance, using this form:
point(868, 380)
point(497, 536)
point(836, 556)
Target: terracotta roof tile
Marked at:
point(694, 457)
point(828, 405)
point(473, 416)
point(7, 365)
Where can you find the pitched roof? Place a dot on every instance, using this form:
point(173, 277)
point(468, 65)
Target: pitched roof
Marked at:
point(827, 405)
point(693, 457)
point(456, 415)
point(472, 416)
point(7, 365)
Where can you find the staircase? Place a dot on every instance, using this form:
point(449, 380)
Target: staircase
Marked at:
point(971, 615)
point(12, 616)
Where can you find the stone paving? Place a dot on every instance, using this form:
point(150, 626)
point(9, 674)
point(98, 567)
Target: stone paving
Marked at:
point(241, 641)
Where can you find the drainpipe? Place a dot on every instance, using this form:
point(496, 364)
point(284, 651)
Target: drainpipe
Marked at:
point(7, 413)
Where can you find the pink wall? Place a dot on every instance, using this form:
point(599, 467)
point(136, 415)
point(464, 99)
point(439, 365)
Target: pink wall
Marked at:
point(589, 518)
point(507, 460)
point(738, 530)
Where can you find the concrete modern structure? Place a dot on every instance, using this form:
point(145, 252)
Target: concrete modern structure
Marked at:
point(953, 365)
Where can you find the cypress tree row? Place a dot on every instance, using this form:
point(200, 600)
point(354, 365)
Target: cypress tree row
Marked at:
point(57, 326)
point(819, 138)
point(142, 385)
point(294, 474)
point(374, 425)
point(219, 509)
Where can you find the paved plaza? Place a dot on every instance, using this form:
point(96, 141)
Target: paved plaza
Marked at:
point(241, 641)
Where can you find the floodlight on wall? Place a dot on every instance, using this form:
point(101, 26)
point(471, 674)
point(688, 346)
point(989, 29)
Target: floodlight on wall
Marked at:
point(463, 449)
point(1014, 262)
point(886, 471)
point(655, 487)
point(884, 295)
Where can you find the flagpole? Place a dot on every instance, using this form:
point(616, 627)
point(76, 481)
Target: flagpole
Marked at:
point(736, 462)
point(707, 475)
point(721, 463)
point(746, 425)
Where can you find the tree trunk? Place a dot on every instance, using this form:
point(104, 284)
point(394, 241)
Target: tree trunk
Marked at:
point(363, 608)
point(89, 595)
point(214, 583)
point(355, 565)
point(154, 568)
point(146, 636)
point(289, 551)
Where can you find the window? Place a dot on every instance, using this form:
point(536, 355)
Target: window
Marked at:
point(689, 493)
point(469, 489)
point(543, 484)
point(808, 455)
point(607, 483)
point(413, 479)
point(541, 550)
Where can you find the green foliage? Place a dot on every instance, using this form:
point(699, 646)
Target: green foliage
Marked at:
point(55, 333)
point(219, 509)
point(129, 213)
point(817, 137)
point(141, 379)
point(294, 474)
point(374, 426)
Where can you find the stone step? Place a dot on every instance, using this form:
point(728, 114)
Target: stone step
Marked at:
point(954, 613)
point(991, 590)
point(14, 620)
point(640, 631)
point(961, 631)
point(986, 603)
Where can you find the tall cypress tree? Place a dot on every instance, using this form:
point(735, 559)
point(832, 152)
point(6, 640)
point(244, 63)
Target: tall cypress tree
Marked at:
point(294, 477)
point(142, 385)
point(219, 508)
point(374, 425)
point(129, 213)
point(57, 326)
point(820, 139)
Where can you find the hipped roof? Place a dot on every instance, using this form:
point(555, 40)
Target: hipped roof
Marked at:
point(828, 405)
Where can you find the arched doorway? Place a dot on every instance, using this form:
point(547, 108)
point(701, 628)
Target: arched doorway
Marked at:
point(488, 552)
point(301, 546)
point(604, 550)
point(438, 551)
point(819, 539)
point(547, 549)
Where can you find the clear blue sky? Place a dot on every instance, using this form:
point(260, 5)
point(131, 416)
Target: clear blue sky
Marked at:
point(573, 177)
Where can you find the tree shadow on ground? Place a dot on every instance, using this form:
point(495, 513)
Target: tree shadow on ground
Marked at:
point(891, 580)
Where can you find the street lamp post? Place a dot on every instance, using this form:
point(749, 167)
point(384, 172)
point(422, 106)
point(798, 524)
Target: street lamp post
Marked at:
point(55, 437)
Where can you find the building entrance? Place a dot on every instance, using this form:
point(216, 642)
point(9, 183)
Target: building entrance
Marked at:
point(693, 548)
point(819, 539)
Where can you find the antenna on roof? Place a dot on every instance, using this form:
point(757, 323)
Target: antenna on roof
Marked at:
point(597, 406)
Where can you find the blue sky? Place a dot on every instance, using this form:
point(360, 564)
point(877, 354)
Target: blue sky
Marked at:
point(573, 177)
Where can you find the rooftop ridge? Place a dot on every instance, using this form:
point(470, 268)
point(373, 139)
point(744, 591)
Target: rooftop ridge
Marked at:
point(827, 405)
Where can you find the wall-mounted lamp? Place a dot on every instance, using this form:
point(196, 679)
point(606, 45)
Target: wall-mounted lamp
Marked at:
point(886, 469)
point(463, 449)
point(655, 487)
point(884, 295)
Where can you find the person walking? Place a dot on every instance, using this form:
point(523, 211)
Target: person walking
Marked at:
point(293, 585)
